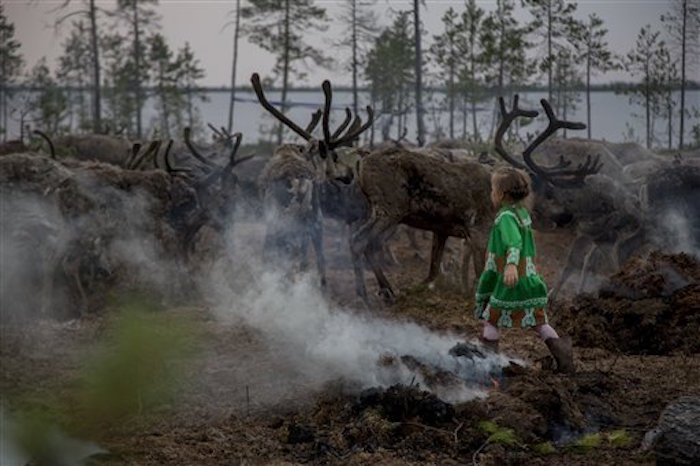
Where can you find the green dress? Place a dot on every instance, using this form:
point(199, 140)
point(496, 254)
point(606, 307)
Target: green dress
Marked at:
point(511, 242)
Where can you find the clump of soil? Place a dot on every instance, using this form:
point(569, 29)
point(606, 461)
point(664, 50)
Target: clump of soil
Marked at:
point(651, 306)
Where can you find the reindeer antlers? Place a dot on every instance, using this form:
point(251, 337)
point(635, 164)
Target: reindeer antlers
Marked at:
point(333, 141)
point(255, 81)
point(559, 175)
point(506, 119)
point(330, 140)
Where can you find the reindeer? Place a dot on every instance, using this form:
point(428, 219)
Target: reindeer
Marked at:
point(449, 199)
point(295, 178)
point(98, 206)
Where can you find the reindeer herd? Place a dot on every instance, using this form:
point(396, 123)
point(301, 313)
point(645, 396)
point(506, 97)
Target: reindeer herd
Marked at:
point(97, 210)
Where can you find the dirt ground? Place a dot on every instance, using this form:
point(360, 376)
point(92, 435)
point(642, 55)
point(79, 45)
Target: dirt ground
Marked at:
point(636, 349)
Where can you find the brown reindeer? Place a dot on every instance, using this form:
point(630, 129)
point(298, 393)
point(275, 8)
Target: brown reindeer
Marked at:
point(449, 199)
point(292, 180)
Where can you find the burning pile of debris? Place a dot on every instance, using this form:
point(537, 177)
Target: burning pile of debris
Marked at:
point(649, 307)
point(530, 408)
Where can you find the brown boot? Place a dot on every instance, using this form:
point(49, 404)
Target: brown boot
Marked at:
point(491, 345)
point(562, 351)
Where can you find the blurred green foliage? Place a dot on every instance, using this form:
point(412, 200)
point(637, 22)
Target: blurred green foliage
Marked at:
point(138, 366)
point(130, 373)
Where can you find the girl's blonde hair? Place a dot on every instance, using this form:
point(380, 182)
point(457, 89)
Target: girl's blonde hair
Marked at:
point(512, 183)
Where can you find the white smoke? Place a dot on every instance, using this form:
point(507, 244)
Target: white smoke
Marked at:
point(325, 342)
point(678, 232)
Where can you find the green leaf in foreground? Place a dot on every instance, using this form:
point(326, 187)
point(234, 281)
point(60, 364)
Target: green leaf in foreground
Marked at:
point(138, 367)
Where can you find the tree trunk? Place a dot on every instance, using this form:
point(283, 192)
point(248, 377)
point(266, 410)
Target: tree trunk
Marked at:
point(399, 110)
point(564, 102)
point(165, 129)
point(3, 93)
point(685, 15)
point(647, 102)
point(465, 116)
point(190, 108)
point(137, 71)
point(588, 92)
point(472, 73)
point(233, 67)
point(670, 118)
point(371, 128)
point(419, 74)
point(285, 69)
point(3, 99)
point(96, 97)
point(451, 96)
point(549, 49)
point(355, 106)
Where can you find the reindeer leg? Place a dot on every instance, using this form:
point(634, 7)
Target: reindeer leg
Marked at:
point(47, 284)
point(413, 241)
point(317, 241)
point(574, 261)
point(586, 264)
point(466, 258)
point(436, 253)
point(475, 241)
point(365, 242)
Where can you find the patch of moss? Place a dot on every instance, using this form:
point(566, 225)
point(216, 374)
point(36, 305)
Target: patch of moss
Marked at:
point(586, 442)
point(500, 435)
point(544, 448)
point(619, 438)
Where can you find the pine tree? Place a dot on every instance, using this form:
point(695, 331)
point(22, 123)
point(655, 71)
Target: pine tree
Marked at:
point(639, 62)
point(234, 65)
point(48, 104)
point(418, 66)
point(389, 70)
point(592, 51)
point(447, 51)
point(165, 79)
point(552, 20)
point(470, 82)
point(118, 81)
point(278, 26)
point(189, 72)
point(74, 69)
point(93, 40)
point(141, 21)
point(10, 65)
point(666, 80)
point(503, 49)
point(683, 26)
point(360, 29)
point(567, 79)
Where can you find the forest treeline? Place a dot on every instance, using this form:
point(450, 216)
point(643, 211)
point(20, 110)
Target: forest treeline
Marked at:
point(115, 58)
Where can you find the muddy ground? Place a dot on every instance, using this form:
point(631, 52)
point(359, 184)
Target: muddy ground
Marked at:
point(239, 402)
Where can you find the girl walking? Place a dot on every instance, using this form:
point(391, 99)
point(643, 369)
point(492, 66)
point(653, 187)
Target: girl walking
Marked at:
point(511, 294)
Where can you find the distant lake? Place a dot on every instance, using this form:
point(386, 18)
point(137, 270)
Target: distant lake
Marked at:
point(613, 117)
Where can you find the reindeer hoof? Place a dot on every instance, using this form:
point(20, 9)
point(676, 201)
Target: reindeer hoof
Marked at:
point(387, 296)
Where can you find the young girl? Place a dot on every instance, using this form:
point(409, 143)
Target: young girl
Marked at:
point(511, 294)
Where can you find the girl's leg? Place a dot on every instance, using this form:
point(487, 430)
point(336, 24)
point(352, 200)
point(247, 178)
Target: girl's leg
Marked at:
point(490, 332)
point(560, 348)
point(489, 337)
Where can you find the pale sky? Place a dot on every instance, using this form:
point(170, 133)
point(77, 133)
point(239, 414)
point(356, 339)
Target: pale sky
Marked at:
point(201, 23)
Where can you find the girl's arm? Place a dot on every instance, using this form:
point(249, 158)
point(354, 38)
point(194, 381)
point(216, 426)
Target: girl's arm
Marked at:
point(509, 232)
